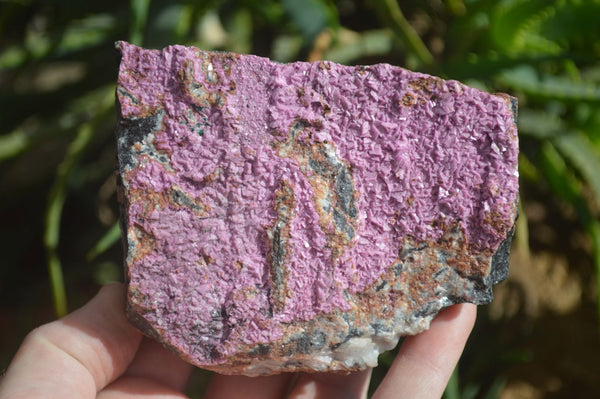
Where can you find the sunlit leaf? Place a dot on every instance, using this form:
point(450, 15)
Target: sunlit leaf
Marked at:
point(352, 46)
point(527, 80)
point(14, 143)
point(544, 27)
point(110, 238)
point(580, 151)
point(508, 17)
point(211, 32)
point(12, 57)
point(87, 32)
point(567, 25)
point(78, 34)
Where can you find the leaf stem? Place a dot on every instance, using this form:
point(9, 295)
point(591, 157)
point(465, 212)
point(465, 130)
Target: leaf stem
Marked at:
point(390, 12)
point(139, 16)
point(108, 240)
point(54, 209)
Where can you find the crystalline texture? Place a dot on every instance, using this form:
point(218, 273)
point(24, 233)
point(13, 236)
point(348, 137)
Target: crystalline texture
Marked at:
point(304, 216)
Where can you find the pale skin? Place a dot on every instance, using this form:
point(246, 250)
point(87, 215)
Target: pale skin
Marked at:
point(95, 353)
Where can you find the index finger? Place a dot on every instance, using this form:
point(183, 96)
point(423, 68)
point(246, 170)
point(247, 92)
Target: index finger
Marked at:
point(78, 355)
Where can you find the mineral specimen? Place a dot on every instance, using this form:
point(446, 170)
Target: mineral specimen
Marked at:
point(304, 216)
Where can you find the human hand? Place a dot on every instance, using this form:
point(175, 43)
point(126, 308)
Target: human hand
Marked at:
point(95, 352)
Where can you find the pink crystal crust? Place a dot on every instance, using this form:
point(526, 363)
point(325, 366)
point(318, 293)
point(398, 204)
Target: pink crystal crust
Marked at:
point(260, 196)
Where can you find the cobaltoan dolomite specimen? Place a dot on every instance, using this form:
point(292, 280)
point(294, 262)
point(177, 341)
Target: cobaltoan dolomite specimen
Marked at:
point(304, 216)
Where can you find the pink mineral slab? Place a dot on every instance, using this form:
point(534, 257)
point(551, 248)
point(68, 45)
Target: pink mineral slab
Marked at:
point(304, 216)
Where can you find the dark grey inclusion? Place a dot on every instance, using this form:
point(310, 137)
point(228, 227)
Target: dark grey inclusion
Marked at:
point(130, 131)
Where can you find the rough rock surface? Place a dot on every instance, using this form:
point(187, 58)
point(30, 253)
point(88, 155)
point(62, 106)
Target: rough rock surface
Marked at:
point(304, 216)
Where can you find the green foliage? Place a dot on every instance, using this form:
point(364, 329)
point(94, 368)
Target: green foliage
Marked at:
point(58, 68)
point(547, 53)
point(544, 27)
point(526, 79)
point(139, 16)
point(310, 17)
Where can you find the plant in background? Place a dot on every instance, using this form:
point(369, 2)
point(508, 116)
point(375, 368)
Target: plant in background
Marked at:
point(58, 70)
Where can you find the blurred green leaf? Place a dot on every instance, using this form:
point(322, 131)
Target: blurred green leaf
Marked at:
point(310, 17)
point(476, 390)
point(33, 132)
point(56, 201)
point(86, 32)
point(521, 236)
point(545, 27)
point(456, 7)
point(566, 185)
point(452, 390)
point(139, 16)
point(78, 35)
point(107, 272)
point(12, 57)
point(286, 48)
point(239, 26)
point(391, 14)
point(507, 19)
point(495, 389)
point(591, 73)
point(168, 24)
point(492, 63)
point(527, 170)
point(359, 45)
point(470, 390)
point(580, 151)
point(110, 238)
point(562, 179)
point(57, 284)
point(562, 26)
point(527, 80)
point(573, 144)
point(14, 143)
